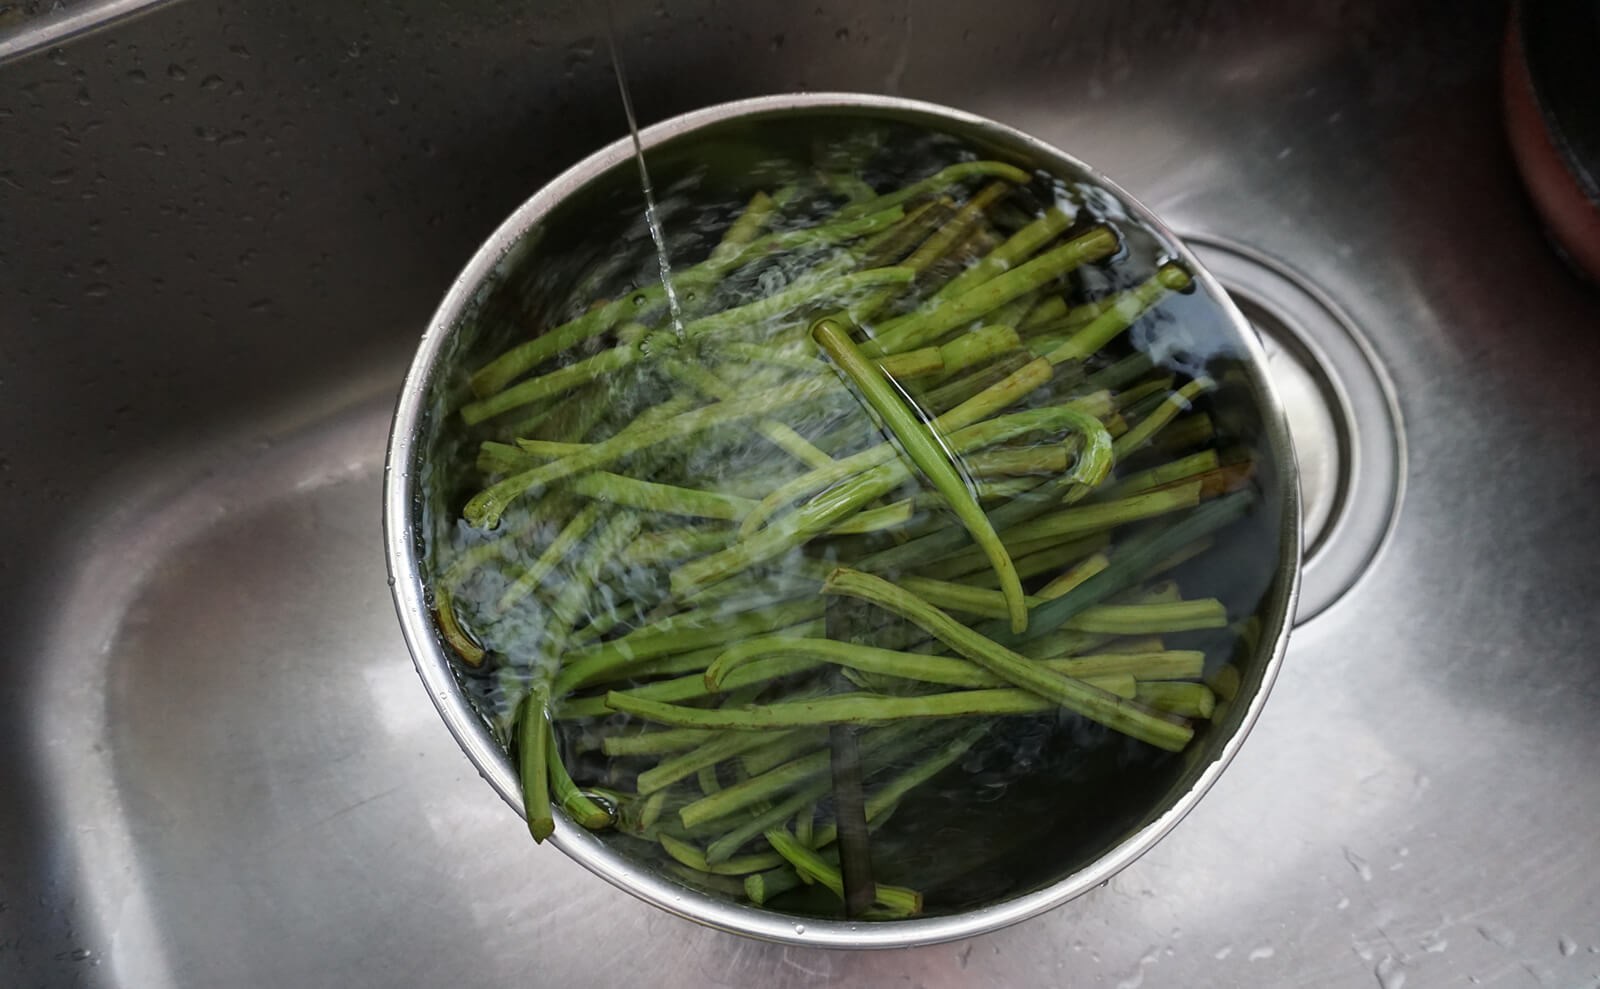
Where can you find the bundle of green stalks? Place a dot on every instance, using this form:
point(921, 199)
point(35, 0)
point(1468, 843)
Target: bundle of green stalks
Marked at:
point(739, 581)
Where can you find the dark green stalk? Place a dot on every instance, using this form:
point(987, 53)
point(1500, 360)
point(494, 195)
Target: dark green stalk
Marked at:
point(785, 438)
point(1175, 470)
point(723, 848)
point(1093, 463)
point(991, 400)
point(460, 641)
point(681, 633)
point(1149, 619)
point(1187, 700)
point(958, 390)
point(533, 738)
point(695, 859)
point(685, 688)
point(912, 363)
point(1089, 701)
point(1121, 314)
point(936, 246)
point(550, 385)
point(921, 667)
point(569, 797)
point(871, 709)
point(927, 453)
point(1178, 401)
point(936, 183)
point(723, 746)
point(1019, 246)
point(932, 323)
point(667, 545)
point(1129, 563)
point(485, 508)
point(877, 744)
point(654, 742)
point(523, 358)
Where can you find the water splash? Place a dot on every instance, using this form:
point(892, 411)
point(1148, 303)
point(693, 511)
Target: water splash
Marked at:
point(650, 217)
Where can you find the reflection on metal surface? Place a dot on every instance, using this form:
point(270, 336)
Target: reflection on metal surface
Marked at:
point(61, 22)
point(219, 767)
point(1342, 413)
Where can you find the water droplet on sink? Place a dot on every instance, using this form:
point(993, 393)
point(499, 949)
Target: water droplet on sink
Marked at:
point(1359, 864)
point(1222, 952)
point(1261, 953)
point(1390, 973)
point(211, 81)
point(177, 72)
point(1567, 946)
point(137, 75)
point(1497, 934)
point(799, 928)
point(61, 177)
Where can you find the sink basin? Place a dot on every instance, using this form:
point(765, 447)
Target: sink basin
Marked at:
point(222, 231)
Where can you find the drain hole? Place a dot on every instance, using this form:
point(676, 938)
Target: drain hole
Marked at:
point(1342, 418)
point(1316, 424)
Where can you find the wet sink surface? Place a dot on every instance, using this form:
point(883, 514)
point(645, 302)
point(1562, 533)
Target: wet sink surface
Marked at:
point(221, 231)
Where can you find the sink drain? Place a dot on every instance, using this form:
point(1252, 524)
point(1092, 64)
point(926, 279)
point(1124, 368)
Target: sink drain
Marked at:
point(1342, 416)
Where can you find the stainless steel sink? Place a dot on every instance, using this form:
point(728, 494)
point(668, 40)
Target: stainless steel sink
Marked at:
point(222, 228)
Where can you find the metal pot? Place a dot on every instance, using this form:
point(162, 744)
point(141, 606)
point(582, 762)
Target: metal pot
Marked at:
point(540, 225)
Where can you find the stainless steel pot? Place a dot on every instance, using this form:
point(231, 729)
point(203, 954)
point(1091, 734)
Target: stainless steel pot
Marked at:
point(536, 226)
